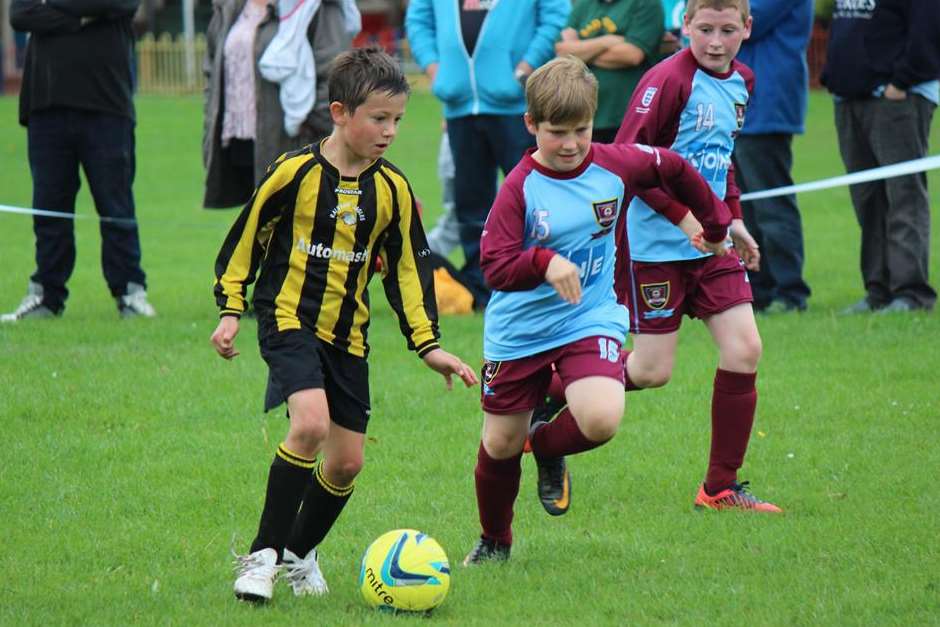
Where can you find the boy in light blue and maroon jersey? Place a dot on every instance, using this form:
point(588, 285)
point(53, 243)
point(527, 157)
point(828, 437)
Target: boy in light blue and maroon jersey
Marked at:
point(548, 251)
point(694, 103)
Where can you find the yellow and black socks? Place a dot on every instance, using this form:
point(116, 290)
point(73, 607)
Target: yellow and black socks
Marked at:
point(323, 502)
point(287, 479)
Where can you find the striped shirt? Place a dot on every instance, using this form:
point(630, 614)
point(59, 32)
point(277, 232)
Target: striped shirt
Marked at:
point(316, 236)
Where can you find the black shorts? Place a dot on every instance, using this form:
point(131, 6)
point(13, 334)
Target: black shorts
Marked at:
point(299, 360)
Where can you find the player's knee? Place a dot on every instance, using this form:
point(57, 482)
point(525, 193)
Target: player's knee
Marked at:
point(502, 445)
point(600, 424)
point(652, 377)
point(310, 428)
point(344, 471)
point(748, 352)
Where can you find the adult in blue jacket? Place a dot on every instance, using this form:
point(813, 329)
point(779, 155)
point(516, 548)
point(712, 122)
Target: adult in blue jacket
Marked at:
point(776, 52)
point(478, 54)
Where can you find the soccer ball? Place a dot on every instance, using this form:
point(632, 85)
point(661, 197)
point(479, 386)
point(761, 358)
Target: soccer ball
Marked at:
point(404, 570)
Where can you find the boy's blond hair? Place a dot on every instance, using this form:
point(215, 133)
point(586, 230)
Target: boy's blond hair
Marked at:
point(563, 91)
point(694, 5)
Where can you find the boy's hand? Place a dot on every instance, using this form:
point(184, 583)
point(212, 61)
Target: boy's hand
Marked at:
point(443, 362)
point(223, 338)
point(693, 230)
point(745, 244)
point(565, 277)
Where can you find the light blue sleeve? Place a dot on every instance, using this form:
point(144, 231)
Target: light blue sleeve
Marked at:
point(419, 28)
point(550, 17)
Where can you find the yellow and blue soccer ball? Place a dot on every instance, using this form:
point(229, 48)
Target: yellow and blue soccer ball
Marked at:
point(404, 570)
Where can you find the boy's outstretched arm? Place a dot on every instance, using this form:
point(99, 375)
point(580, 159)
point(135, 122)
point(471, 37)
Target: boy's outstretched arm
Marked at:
point(447, 365)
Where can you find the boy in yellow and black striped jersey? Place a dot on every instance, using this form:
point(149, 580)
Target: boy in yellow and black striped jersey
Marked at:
point(313, 232)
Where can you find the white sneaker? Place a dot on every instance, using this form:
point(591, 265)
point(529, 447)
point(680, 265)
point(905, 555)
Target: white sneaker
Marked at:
point(30, 307)
point(134, 302)
point(256, 574)
point(304, 575)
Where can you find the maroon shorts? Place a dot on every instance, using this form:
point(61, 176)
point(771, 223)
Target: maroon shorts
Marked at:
point(518, 385)
point(661, 292)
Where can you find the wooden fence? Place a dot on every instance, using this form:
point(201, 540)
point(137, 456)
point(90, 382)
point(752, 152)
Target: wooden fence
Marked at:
point(169, 66)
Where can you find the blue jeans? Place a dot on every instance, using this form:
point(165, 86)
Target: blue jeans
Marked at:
point(481, 145)
point(59, 140)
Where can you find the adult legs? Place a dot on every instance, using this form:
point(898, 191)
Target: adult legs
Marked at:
point(869, 199)
point(106, 150)
point(764, 162)
point(53, 162)
point(474, 188)
point(899, 132)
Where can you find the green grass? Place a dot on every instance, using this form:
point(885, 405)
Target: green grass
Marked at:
point(133, 454)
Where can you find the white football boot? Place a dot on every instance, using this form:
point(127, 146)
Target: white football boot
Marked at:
point(256, 574)
point(304, 575)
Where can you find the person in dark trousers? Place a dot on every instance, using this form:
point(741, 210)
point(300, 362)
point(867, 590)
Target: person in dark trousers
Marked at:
point(763, 156)
point(882, 68)
point(77, 106)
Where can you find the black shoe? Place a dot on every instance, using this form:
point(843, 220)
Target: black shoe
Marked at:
point(554, 484)
point(487, 550)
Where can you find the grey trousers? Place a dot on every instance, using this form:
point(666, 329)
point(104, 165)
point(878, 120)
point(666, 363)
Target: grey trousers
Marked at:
point(894, 214)
point(764, 162)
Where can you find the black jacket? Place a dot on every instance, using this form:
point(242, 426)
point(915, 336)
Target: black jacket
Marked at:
point(876, 42)
point(79, 55)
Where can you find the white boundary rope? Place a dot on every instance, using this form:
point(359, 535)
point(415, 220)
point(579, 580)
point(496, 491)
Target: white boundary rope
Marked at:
point(863, 176)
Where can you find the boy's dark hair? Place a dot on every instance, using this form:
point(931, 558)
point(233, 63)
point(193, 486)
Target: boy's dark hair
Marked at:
point(358, 72)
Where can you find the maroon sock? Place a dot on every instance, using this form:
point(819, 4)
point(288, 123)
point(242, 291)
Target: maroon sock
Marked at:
point(628, 384)
point(561, 436)
point(497, 482)
point(556, 390)
point(733, 403)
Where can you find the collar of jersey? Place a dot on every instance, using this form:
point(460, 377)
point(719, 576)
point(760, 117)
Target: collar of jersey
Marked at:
point(555, 174)
point(331, 170)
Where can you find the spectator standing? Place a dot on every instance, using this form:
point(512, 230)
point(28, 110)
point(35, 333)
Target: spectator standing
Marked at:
point(882, 67)
point(249, 119)
point(77, 106)
point(618, 40)
point(763, 157)
point(478, 54)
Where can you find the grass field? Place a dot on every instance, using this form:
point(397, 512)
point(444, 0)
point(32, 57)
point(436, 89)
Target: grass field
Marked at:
point(133, 454)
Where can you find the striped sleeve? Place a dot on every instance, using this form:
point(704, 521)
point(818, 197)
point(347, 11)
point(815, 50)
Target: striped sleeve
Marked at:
point(244, 246)
point(409, 282)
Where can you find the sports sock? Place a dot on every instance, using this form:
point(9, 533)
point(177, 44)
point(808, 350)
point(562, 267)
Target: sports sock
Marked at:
point(497, 483)
point(287, 479)
point(561, 436)
point(733, 403)
point(323, 502)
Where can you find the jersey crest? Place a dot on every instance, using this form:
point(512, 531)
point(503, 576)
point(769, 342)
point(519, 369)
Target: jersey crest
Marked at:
point(655, 295)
